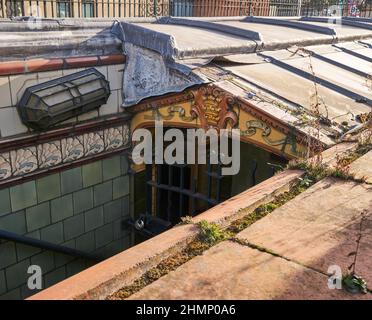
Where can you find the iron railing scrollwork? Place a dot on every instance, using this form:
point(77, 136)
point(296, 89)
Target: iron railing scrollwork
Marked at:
point(184, 8)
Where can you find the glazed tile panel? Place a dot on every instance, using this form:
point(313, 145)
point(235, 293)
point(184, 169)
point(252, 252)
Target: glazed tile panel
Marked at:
point(26, 160)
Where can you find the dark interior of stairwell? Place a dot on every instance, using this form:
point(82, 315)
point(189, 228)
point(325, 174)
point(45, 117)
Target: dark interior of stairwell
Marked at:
point(164, 193)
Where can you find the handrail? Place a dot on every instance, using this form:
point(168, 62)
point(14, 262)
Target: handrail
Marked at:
point(6, 235)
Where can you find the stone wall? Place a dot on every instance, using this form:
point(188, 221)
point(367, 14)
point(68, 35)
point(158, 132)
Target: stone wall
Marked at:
point(81, 207)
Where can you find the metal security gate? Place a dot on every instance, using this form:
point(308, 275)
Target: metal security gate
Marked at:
point(177, 187)
point(172, 192)
point(164, 193)
point(175, 191)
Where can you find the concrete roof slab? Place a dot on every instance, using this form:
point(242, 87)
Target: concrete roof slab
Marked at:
point(275, 33)
point(198, 42)
point(343, 31)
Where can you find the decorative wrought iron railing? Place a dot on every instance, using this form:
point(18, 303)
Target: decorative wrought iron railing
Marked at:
point(198, 8)
point(356, 8)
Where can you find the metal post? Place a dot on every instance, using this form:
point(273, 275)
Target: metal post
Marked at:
point(254, 170)
point(148, 189)
point(299, 4)
point(170, 184)
point(158, 191)
point(182, 186)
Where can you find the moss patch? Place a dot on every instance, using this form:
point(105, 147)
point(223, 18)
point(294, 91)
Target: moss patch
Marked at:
point(211, 233)
point(169, 264)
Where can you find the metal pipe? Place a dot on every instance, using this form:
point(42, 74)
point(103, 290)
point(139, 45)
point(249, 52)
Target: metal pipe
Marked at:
point(6, 235)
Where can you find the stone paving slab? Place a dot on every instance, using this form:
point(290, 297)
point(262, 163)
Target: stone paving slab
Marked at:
point(233, 271)
point(319, 227)
point(362, 168)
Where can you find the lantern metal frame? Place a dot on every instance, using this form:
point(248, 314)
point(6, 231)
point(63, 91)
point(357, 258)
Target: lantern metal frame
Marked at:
point(38, 113)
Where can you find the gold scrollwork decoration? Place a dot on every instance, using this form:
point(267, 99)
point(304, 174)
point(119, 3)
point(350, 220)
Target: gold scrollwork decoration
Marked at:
point(171, 111)
point(254, 125)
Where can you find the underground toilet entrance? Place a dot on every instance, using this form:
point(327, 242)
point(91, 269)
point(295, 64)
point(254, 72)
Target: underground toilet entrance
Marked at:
point(164, 194)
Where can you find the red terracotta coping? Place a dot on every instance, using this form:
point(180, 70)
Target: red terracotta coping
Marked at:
point(37, 65)
point(104, 278)
point(82, 61)
point(12, 67)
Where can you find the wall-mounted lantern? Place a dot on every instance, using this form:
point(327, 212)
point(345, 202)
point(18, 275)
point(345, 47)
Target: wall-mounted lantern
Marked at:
point(55, 101)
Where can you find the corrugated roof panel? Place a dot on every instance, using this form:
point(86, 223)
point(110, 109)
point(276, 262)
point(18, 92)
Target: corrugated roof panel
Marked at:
point(327, 71)
point(344, 58)
point(299, 90)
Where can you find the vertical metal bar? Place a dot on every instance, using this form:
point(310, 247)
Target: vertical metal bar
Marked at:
point(80, 9)
point(193, 189)
point(23, 8)
point(218, 182)
point(37, 9)
point(148, 191)
point(209, 178)
point(182, 186)
point(170, 183)
point(158, 190)
point(44, 9)
point(254, 169)
point(272, 171)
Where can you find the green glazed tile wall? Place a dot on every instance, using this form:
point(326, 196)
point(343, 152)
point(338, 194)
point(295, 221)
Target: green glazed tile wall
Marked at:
point(81, 208)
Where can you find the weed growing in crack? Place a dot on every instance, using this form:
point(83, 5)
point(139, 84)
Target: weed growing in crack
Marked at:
point(211, 233)
point(351, 281)
point(167, 265)
point(317, 107)
point(316, 172)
